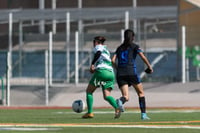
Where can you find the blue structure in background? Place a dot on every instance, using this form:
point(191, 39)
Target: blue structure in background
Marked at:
point(33, 65)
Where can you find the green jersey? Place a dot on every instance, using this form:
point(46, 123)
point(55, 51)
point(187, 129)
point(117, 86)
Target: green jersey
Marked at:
point(104, 61)
point(104, 75)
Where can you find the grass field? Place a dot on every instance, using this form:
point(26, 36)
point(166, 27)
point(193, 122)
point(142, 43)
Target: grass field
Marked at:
point(66, 121)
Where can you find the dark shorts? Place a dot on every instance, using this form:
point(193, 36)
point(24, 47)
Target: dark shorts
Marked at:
point(130, 80)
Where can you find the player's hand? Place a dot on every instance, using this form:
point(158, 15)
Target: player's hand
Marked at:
point(92, 68)
point(149, 70)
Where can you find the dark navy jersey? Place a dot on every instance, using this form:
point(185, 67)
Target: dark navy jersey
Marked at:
point(126, 59)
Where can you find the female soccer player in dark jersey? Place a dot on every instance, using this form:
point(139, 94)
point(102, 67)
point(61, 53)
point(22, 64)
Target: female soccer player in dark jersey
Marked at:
point(127, 75)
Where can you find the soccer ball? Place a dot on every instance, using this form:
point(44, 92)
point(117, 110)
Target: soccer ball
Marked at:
point(78, 106)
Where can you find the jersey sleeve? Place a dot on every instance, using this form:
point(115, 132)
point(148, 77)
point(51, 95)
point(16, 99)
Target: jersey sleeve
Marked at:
point(138, 49)
point(98, 48)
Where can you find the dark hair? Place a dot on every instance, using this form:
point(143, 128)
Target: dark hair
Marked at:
point(128, 37)
point(99, 39)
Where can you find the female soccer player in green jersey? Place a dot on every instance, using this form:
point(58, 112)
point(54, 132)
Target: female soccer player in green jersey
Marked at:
point(103, 76)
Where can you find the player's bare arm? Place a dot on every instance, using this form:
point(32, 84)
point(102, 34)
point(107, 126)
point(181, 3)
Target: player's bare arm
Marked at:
point(143, 57)
point(114, 61)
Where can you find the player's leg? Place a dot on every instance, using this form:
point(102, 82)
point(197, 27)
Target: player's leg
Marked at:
point(111, 100)
point(89, 95)
point(142, 101)
point(125, 93)
point(122, 82)
point(108, 80)
point(89, 100)
point(124, 98)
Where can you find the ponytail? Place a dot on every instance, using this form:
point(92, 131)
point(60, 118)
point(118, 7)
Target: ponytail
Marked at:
point(128, 37)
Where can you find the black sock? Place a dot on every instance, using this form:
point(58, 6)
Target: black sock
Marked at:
point(123, 99)
point(142, 104)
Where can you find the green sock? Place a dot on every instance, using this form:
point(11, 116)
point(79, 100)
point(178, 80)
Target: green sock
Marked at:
point(89, 98)
point(112, 101)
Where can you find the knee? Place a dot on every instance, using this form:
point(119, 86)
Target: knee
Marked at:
point(141, 94)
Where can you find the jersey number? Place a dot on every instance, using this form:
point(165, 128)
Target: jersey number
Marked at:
point(124, 57)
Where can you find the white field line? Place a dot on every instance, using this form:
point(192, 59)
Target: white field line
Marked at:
point(14, 128)
point(138, 126)
point(34, 127)
point(130, 112)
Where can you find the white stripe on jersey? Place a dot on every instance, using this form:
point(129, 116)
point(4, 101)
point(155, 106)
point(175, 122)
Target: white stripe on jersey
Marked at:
point(104, 58)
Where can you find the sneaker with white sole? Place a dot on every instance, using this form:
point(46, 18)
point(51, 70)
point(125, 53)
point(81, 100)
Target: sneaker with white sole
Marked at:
point(120, 105)
point(144, 116)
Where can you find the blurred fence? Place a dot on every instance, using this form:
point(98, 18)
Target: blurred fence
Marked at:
point(156, 33)
point(29, 62)
point(32, 65)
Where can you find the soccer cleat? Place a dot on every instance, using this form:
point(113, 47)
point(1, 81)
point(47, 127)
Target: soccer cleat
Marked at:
point(88, 115)
point(144, 116)
point(117, 113)
point(120, 105)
